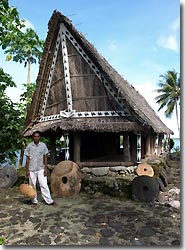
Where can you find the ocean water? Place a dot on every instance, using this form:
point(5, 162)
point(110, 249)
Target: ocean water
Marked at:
point(177, 143)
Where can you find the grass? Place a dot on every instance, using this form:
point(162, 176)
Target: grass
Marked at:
point(3, 240)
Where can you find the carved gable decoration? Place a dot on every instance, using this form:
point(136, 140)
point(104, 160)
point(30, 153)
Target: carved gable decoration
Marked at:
point(78, 90)
point(75, 86)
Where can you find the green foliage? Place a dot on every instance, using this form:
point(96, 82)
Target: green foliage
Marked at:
point(169, 92)
point(27, 47)
point(26, 98)
point(5, 81)
point(176, 149)
point(171, 143)
point(11, 24)
point(10, 128)
point(23, 47)
point(10, 120)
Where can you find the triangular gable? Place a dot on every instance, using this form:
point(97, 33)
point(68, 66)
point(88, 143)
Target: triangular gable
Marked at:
point(70, 90)
point(50, 99)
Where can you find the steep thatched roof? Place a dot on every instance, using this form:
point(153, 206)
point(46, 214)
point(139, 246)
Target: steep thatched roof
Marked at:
point(143, 116)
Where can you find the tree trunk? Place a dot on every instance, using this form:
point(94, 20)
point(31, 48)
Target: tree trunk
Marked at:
point(23, 143)
point(28, 75)
point(21, 154)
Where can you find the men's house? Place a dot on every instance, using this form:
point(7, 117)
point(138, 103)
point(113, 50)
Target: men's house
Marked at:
point(81, 97)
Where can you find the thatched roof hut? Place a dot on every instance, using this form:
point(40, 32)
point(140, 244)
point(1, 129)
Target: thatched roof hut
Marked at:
point(78, 91)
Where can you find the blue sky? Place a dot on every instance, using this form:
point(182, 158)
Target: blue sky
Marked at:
point(139, 38)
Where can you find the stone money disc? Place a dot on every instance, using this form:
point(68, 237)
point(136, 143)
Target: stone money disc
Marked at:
point(145, 169)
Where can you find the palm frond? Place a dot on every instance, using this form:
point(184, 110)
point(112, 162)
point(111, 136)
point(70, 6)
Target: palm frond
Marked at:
point(169, 91)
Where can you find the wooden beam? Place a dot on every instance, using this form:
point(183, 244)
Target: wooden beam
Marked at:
point(77, 146)
point(88, 97)
point(82, 75)
point(56, 103)
point(58, 80)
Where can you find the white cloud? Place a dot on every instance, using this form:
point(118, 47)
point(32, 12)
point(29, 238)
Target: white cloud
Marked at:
point(147, 90)
point(170, 41)
point(28, 25)
point(13, 94)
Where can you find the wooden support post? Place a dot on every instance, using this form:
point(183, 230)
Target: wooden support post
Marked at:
point(52, 149)
point(152, 143)
point(133, 147)
point(148, 151)
point(159, 149)
point(126, 147)
point(77, 145)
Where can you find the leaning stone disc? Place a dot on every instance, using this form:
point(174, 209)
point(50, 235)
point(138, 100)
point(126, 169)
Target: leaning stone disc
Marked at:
point(145, 188)
point(144, 169)
point(64, 167)
point(66, 179)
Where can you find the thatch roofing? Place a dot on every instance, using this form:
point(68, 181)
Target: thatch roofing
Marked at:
point(144, 116)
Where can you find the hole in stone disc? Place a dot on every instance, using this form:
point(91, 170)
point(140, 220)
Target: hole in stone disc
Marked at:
point(64, 179)
point(145, 188)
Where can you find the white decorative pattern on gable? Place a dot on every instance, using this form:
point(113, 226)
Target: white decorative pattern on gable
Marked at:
point(64, 114)
point(66, 68)
point(61, 39)
point(96, 71)
point(50, 75)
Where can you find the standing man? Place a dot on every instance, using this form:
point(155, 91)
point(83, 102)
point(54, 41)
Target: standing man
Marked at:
point(36, 167)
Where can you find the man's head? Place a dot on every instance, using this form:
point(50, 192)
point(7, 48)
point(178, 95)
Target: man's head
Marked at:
point(36, 136)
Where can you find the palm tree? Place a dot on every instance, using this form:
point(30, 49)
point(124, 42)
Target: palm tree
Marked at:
point(169, 96)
